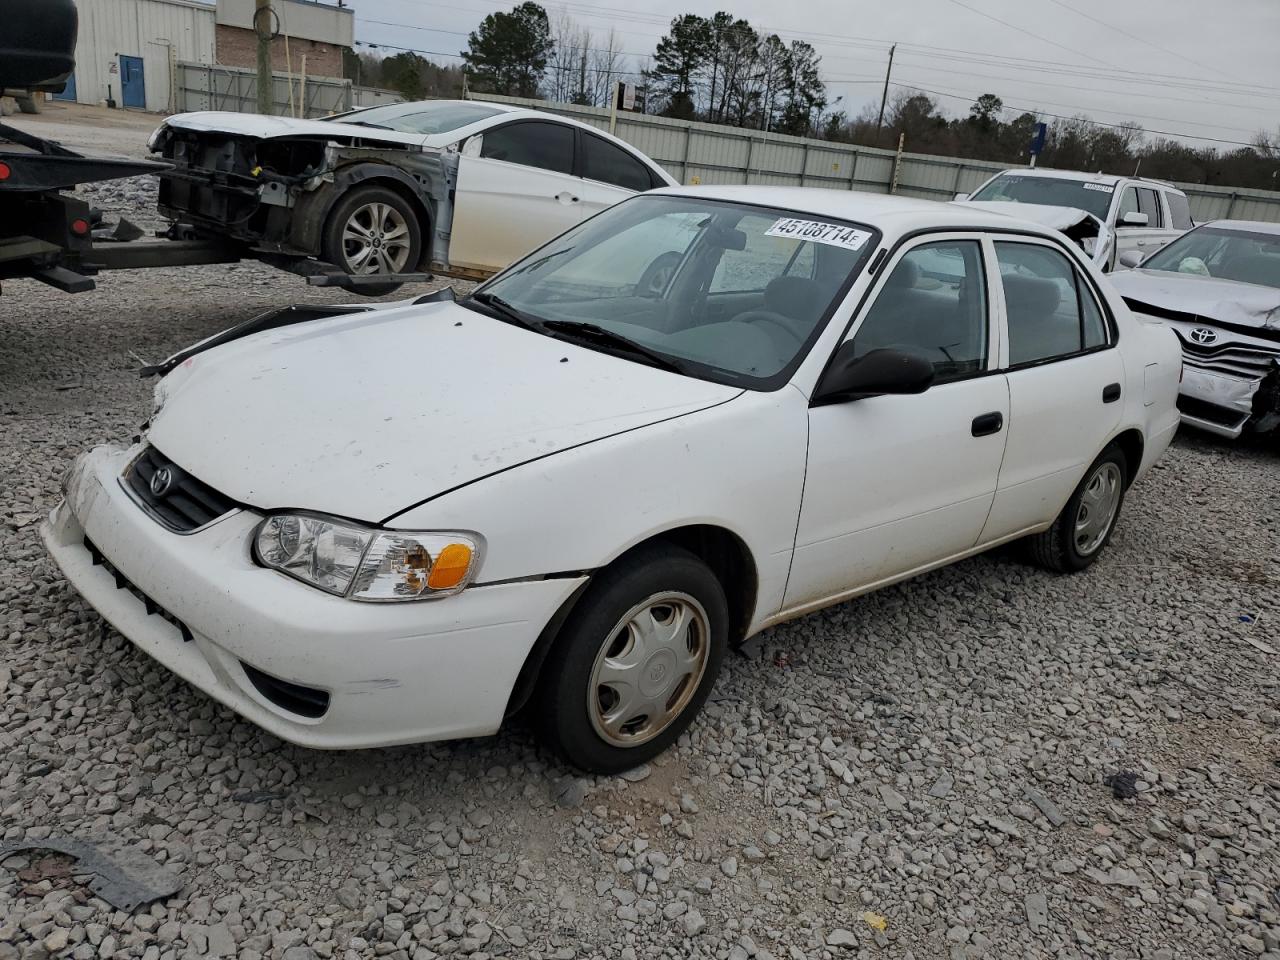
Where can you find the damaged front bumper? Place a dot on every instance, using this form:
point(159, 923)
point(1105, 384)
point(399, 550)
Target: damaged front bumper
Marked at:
point(1230, 386)
point(311, 668)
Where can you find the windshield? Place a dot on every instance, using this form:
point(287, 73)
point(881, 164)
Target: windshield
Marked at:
point(426, 118)
point(729, 292)
point(1240, 255)
point(1094, 198)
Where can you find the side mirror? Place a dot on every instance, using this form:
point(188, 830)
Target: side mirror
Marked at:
point(1131, 258)
point(850, 377)
point(1134, 219)
point(962, 196)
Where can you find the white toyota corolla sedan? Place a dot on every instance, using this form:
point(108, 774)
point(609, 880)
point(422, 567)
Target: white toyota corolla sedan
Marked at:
point(698, 414)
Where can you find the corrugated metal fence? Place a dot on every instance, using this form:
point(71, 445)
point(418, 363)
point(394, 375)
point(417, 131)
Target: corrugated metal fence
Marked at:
point(706, 153)
point(204, 87)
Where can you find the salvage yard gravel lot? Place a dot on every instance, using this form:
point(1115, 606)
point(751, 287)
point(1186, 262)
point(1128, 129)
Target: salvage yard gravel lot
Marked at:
point(916, 774)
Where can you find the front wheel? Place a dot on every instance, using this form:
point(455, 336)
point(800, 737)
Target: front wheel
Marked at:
point(1084, 527)
point(373, 230)
point(635, 661)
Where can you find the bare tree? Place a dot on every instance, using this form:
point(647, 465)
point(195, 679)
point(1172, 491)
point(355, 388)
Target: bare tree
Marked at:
point(606, 68)
point(569, 77)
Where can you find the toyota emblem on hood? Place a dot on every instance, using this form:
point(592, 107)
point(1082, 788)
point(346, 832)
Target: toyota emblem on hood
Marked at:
point(161, 480)
point(1203, 335)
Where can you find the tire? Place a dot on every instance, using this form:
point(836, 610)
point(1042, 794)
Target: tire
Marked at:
point(1064, 548)
point(372, 230)
point(603, 727)
point(657, 275)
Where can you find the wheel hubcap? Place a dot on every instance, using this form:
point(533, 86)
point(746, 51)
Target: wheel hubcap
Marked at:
point(376, 240)
point(1097, 510)
point(648, 669)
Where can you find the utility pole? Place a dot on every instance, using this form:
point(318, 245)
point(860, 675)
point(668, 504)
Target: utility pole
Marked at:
point(262, 17)
point(884, 97)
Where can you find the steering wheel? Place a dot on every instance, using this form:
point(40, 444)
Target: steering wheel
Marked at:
point(773, 321)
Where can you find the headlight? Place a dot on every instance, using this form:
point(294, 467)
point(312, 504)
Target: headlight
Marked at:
point(352, 561)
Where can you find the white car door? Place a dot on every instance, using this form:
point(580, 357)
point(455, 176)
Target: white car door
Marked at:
point(895, 484)
point(1147, 238)
point(516, 190)
point(1065, 377)
point(609, 174)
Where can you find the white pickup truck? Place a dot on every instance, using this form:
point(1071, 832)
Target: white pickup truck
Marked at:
point(1132, 215)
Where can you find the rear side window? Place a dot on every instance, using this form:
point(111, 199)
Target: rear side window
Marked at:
point(547, 146)
point(1179, 211)
point(609, 163)
point(1052, 312)
point(1149, 204)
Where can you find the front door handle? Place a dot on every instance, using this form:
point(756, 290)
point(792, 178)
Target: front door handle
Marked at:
point(566, 198)
point(988, 423)
point(1111, 393)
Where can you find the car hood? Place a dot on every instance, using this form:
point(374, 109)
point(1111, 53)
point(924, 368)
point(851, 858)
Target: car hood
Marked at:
point(366, 414)
point(1059, 218)
point(269, 128)
point(1211, 298)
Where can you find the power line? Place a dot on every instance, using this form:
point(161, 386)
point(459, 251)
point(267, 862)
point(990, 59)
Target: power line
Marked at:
point(1134, 36)
point(1057, 116)
point(1011, 26)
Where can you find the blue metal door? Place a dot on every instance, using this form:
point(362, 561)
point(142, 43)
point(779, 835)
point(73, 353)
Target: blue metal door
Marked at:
point(69, 91)
point(133, 88)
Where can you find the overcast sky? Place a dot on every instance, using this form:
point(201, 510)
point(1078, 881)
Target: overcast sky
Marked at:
point(1203, 68)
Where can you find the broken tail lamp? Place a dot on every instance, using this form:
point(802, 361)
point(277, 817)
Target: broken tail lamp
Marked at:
point(351, 561)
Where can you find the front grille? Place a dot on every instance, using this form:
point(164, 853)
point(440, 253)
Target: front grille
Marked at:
point(183, 504)
point(124, 583)
point(304, 701)
point(1234, 359)
point(1211, 412)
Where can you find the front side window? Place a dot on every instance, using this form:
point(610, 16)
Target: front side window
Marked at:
point(1085, 195)
point(729, 292)
point(1149, 203)
point(1051, 311)
point(933, 304)
point(1128, 204)
point(1179, 211)
point(609, 163)
point(547, 146)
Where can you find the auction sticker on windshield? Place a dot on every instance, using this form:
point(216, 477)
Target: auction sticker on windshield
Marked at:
point(850, 238)
point(1100, 187)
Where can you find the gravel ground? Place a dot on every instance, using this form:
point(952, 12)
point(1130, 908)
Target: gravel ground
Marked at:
point(917, 774)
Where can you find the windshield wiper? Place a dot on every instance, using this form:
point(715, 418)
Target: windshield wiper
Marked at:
point(594, 333)
point(507, 312)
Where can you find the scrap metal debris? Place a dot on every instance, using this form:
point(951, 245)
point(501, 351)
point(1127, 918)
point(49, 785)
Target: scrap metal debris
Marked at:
point(126, 879)
point(1123, 784)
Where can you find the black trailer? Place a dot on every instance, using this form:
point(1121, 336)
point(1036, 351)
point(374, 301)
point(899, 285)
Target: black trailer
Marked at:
point(46, 232)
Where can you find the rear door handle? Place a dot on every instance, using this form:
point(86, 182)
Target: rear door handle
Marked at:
point(1111, 393)
point(566, 197)
point(988, 423)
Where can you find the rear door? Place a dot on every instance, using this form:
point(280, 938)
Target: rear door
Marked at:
point(609, 173)
point(1065, 378)
point(516, 190)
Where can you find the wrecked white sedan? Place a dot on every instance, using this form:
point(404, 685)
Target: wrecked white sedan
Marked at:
point(461, 187)
point(1218, 288)
point(576, 490)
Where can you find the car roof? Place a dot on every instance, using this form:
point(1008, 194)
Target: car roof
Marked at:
point(1110, 179)
point(1250, 226)
point(892, 214)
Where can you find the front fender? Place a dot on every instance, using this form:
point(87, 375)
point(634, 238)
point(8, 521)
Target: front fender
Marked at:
point(738, 466)
point(311, 211)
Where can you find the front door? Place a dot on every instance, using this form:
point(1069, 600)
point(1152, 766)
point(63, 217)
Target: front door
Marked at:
point(1065, 380)
point(516, 191)
point(897, 483)
point(133, 86)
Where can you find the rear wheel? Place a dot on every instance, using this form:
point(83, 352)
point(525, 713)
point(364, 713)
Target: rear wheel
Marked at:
point(1084, 527)
point(373, 230)
point(635, 661)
